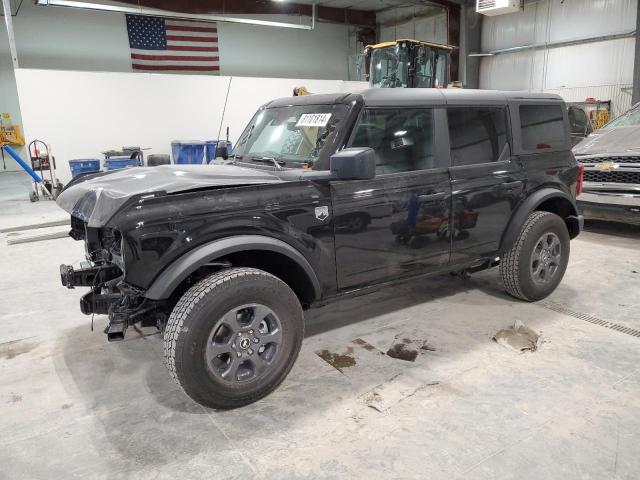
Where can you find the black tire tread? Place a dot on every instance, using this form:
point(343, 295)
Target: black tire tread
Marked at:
point(180, 314)
point(510, 261)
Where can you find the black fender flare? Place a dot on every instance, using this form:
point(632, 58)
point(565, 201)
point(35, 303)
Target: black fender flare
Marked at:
point(164, 284)
point(530, 204)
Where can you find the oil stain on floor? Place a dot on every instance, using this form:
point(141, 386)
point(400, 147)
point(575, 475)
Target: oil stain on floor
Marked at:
point(339, 361)
point(406, 349)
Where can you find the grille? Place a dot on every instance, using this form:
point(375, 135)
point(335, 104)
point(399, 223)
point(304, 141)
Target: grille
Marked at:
point(481, 4)
point(611, 177)
point(619, 159)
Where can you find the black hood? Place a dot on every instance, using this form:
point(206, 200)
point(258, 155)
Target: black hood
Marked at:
point(96, 199)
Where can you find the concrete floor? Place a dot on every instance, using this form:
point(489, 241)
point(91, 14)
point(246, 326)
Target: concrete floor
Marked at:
point(75, 406)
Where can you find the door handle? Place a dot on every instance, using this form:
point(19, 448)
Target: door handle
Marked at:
point(432, 196)
point(511, 185)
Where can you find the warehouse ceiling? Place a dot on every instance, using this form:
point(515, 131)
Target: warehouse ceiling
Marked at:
point(354, 12)
point(375, 5)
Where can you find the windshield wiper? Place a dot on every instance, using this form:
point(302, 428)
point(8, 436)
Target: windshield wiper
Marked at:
point(277, 163)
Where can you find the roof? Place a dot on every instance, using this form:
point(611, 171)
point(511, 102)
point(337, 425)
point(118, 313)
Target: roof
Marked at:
point(395, 42)
point(404, 97)
point(312, 99)
point(450, 96)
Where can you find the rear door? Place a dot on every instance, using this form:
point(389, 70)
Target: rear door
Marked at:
point(394, 225)
point(487, 181)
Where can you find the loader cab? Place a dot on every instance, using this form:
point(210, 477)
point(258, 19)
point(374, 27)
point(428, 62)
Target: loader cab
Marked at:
point(407, 64)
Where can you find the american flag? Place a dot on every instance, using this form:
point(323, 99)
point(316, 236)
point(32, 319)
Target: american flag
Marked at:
point(161, 44)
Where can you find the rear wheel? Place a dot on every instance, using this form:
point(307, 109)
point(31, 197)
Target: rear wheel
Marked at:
point(536, 263)
point(233, 337)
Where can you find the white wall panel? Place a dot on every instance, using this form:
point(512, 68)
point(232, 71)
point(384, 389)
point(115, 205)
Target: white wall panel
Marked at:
point(512, 30)
point(84, 113)
point(601, 63)
point(602, 69)
point(516, 71)
point(397, 23)
point(570, 20)
point(582, 18)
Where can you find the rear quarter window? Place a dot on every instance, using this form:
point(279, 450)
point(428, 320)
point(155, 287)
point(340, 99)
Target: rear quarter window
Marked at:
point(542, 127)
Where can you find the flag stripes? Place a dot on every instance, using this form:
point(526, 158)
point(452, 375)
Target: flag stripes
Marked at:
point(161, 44)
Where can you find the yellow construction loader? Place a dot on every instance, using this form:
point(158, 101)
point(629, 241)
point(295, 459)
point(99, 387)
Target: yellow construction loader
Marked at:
point(407, 63)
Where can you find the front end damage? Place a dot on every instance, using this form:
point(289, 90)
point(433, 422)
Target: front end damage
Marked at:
point(104, 272)
point(109, 212)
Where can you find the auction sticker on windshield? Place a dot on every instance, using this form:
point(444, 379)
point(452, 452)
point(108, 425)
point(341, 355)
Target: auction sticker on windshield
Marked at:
point(314, 120)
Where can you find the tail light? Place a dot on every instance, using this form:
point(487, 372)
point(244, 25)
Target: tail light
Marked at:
point(580, 180)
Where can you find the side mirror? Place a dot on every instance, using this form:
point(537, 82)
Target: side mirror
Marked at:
point(221, 150)
point(357, 163)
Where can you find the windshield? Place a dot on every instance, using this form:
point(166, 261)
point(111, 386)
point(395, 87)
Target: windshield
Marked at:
point(293, 136)
point(389, 67)
point(630, 117)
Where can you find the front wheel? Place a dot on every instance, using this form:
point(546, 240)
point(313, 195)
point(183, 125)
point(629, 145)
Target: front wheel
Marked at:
point(536, 263)
point(233, 337)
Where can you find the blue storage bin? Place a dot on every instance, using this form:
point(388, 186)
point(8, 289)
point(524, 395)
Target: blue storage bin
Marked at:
point(83, 165)
point(116, 163)
point(211, 149)
point(188, 152)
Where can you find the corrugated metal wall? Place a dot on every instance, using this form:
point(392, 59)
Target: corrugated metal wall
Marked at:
point(603, 70)
point(418, 22)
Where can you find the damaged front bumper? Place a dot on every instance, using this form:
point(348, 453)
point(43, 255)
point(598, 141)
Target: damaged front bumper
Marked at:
point(110, 295)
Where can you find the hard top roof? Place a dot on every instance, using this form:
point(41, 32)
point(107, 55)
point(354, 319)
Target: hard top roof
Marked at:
point(404, 97)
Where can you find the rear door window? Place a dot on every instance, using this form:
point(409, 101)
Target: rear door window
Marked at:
point(477, 134)
point(542, 127)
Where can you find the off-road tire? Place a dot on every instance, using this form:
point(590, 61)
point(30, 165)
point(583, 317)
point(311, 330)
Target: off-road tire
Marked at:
point(194, 316)
point(515, 268)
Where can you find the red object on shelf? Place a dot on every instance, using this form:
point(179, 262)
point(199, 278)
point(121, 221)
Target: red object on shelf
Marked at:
point(590, 100)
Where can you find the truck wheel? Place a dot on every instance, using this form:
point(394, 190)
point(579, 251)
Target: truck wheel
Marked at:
point(233, 337)
point(536, 263)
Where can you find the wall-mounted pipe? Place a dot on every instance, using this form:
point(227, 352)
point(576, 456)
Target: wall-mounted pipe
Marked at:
point(169, 14)
point(563, 43)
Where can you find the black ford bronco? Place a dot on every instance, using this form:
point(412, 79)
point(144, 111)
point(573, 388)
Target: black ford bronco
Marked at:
point(324, 196)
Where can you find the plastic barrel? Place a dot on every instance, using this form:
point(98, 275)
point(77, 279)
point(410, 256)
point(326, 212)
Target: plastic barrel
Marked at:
point(83, 165)
point(188, 152)
point(158, 159)
point(116, 163)
point(211, 149)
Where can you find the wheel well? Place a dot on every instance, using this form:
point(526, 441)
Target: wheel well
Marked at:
point(565, 210)
point(275, 263)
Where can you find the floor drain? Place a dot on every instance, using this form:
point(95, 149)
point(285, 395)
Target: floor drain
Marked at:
point(591, 319)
